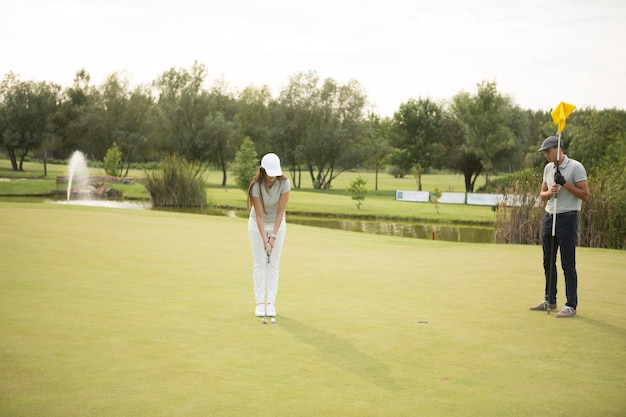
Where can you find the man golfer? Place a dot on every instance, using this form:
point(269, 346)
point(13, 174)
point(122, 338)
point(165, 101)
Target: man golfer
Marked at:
point(564, 188)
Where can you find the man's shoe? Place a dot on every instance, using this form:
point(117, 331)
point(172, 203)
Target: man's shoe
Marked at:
point(260, 310)
point(271, 310)
point(543, 306)
point(566, 312)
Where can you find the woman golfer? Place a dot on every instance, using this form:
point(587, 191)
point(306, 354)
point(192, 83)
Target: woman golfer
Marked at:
point(267, 199)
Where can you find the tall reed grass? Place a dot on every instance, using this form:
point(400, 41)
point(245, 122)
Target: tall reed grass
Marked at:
point(603, 217)
point(175, 184)
point(519, 221)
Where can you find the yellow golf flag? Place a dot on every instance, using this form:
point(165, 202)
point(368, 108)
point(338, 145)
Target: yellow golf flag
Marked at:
point(560, 113)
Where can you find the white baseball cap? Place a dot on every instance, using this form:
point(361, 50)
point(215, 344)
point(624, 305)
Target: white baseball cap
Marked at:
point(271, 165)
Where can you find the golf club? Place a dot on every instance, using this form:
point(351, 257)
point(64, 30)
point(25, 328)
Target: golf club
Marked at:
point(268, 251)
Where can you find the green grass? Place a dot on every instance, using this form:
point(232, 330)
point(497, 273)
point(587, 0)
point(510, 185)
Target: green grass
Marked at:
point(107, 312)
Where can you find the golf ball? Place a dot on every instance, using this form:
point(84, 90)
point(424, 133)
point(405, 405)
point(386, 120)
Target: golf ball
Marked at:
point(273, 320)
point(264, 320)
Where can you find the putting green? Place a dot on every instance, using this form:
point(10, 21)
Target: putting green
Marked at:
point(109, 312)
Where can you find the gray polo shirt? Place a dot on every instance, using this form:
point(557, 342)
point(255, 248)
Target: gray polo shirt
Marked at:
point(574, 172)
point(270, 198)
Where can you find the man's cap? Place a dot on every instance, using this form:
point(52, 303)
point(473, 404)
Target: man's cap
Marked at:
point(271, 165)
point(550, 142)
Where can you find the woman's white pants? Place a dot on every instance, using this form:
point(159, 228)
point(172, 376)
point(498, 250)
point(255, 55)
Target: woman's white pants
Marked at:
point(264, 274)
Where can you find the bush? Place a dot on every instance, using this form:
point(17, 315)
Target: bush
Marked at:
point(396, 171)
point(175, 184)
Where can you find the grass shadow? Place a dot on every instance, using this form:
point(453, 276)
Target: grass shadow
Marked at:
point(341, 353)
point(609, 328)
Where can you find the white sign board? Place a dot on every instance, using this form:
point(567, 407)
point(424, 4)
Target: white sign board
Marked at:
point(419, 196)
point(484, 199)
point(452, 198)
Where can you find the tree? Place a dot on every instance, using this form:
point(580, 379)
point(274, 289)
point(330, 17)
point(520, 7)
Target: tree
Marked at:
point(217, 142)
point(253, 117)
point(450, 152)
point(335, 131)
point(126, 116)
point(291, 115)
point(77, 120)
point(357, 190)
point(219, 139)
point(538, 130)
point(597, 137)
point(113, 161)
point(182, 110)
point(92, 118)
point(26, 112)
point(246, 164)
point(417, 128)
point(484, 119)
point(377, 146)
point(320, 125)
point(519, 122)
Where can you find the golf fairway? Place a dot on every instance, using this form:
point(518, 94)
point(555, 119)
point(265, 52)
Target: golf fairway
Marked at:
point(112, 312)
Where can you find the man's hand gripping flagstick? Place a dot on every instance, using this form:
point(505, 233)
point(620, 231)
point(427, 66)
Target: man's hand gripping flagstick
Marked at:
point(559, 116)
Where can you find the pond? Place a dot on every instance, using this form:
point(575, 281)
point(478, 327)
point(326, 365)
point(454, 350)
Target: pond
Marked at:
point(433, 231)
point(450, 233)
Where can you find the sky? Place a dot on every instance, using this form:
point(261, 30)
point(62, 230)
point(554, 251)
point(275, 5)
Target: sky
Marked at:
point(538, 52)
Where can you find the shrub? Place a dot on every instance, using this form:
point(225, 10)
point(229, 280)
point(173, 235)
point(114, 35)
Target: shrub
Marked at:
point(175, 184)
point(396, 171)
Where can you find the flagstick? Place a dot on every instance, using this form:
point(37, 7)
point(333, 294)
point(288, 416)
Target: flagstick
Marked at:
point(552, 254)
point(559, 114)
point(556, 167)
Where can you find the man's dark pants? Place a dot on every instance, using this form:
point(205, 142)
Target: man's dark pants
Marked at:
point(565, 238)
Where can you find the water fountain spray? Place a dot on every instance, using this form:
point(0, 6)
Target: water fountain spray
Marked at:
point(78, 174)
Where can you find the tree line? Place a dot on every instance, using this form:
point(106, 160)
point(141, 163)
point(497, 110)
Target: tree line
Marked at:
point(319, 127)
